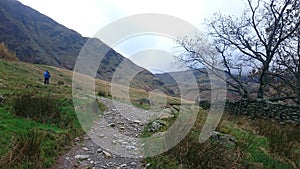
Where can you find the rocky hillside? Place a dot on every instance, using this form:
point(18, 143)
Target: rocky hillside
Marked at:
point(37, 38)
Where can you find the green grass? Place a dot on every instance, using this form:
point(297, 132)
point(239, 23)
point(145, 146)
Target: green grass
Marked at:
point(252, 150)
point(25, 121)
point(255, 150)
point(56, 140)
point(256, 142)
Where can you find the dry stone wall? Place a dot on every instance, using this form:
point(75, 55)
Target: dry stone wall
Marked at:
point(261, 109)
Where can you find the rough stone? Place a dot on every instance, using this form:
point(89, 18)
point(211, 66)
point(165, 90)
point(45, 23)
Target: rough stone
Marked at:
point(123, 165)
point(137, 121)
point(99, 150)
point(156, 125)
point(130, 147)
point(82, 157)
point(167, 110)
point(85, 149)
point(77, 139)
point(112, 124)
point(106, 154)
point(225, 139)
point(166, 114)
point(133, 163)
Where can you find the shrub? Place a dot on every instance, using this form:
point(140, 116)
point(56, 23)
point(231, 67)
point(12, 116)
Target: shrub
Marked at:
point(26, 151)
point(102, 107)
point(102, 93)
point(6, 54)
point(204, 104)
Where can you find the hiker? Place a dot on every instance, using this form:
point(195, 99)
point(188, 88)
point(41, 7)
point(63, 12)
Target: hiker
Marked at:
point(47, 77)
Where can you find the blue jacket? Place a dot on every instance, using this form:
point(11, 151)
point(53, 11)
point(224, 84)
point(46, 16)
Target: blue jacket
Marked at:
point(46, 74)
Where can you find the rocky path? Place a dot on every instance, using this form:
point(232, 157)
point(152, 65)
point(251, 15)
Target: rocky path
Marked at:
point(112, 143)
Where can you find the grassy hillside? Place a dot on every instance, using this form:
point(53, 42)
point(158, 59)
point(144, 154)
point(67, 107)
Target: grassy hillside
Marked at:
point(35, 115)
point(31, 139)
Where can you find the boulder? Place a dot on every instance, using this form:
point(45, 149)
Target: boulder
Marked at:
point(156, 125)
point(166, 114)
point(225, 139)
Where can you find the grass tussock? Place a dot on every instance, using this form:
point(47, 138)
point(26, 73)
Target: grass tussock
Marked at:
point(283, 140)
point(104, 93)
point(190, 154)
point(26, 149)
point(43, 109)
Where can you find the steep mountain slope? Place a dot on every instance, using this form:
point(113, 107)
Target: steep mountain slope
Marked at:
point(37, 38)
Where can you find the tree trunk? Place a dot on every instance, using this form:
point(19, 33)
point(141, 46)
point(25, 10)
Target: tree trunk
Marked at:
point(262, 81)
point(297, 75)
point(260, 93)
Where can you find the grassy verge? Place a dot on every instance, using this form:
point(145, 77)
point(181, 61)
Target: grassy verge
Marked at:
point(259, 144)
point(36, 143)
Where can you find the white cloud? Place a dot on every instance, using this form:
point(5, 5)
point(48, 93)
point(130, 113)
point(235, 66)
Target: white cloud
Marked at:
point(88, 17)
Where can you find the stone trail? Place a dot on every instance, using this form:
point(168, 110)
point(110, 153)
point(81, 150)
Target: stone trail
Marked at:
point(116, 131)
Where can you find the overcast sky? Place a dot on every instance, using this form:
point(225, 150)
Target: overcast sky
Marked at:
point(89, 16)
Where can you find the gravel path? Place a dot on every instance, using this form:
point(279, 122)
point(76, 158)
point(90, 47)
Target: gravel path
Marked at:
point(117, 132)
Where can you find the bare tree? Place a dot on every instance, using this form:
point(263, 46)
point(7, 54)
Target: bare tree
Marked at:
point(286, 68)
point(251, 41)
point(199, 53)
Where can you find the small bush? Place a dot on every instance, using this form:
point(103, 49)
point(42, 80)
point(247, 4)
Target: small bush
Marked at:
point(204, 104)
point(6, 54)
point(26, 151)
point(102, 93)
point(102, 106)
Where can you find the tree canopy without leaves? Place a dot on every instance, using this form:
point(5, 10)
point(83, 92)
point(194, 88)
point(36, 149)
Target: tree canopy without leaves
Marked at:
point(250, 44)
